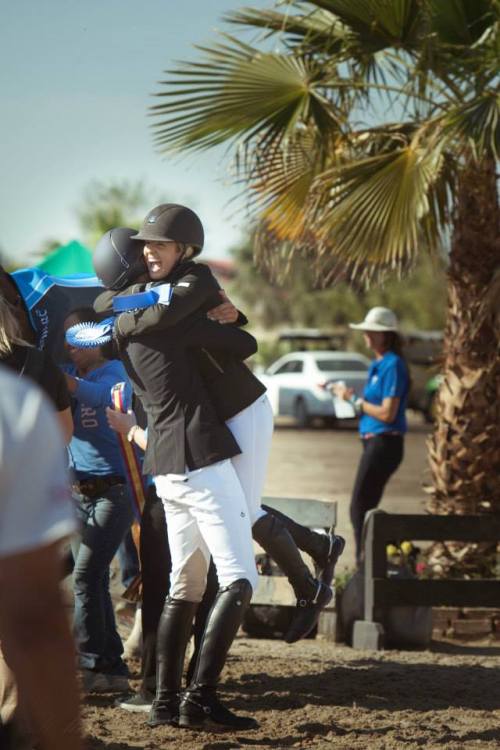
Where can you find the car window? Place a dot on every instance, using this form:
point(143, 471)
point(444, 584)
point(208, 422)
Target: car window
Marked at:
point(293, 365)
point(349, 365)
point(282, 369)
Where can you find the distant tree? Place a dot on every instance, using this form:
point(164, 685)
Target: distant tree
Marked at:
point(113, 204)
point(46, 247)
point(50, 244)
point(419, 300)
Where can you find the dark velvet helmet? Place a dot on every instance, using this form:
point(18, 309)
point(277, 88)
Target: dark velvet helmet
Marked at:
point(171, 222)
point(118, 260)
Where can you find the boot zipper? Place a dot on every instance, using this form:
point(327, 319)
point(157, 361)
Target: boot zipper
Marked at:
point(213, 360)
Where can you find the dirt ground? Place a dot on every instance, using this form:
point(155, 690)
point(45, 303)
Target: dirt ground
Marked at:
point(319, 695)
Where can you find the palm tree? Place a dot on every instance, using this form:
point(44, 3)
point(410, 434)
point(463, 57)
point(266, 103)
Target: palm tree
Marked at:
point(366, 132)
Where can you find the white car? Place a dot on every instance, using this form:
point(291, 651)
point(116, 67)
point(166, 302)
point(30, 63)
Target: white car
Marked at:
point(297, 384)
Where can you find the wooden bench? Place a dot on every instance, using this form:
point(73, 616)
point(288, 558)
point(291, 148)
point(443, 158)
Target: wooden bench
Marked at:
point(275, 590)
point(380, 591)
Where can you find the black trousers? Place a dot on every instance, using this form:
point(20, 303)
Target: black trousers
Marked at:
point(381, 457)
point(156, 565)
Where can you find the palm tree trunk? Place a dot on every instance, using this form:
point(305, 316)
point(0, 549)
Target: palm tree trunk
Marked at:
point(464, 450)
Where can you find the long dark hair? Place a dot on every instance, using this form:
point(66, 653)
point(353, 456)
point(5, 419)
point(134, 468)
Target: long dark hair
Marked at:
point(394, 342)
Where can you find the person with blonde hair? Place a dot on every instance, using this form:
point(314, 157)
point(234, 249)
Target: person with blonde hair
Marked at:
point(9, 329)
point(20, 356)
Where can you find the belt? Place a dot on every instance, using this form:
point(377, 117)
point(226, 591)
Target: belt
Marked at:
point(369, 435)
point(96, 485)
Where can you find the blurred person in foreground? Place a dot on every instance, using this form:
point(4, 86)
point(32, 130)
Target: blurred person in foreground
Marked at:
point(21, 357)
point(104, 510)
point(27, 361)
point(36, 516)
point(381, 411)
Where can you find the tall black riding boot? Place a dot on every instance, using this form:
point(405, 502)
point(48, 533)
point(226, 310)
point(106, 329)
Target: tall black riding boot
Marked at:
point(312, 595)
point(202, 614)
point(199, 704)
point(325, 549)
point(174, 632)
point(156, 564)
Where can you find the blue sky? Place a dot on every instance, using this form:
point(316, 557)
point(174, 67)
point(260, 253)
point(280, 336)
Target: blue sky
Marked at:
point(76, 80)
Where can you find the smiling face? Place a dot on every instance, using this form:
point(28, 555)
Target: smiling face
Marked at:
point(160, 258)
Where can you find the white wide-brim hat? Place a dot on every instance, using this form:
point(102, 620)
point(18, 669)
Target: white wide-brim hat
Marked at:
point(377, 319)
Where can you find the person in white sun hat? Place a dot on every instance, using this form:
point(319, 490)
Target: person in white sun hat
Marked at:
point(382, 422)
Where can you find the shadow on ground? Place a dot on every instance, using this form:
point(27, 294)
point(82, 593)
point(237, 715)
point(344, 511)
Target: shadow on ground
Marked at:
point(372, 684)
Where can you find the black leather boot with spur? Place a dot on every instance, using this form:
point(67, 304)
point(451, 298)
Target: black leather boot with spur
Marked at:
point(200, 706)
point(312, 595)
point(174, 631)
point(325, 549)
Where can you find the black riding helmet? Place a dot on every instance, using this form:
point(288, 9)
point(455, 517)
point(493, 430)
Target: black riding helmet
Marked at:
point(171, 222)
point(118, 260)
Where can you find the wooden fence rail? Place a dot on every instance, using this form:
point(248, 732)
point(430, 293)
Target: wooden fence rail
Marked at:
point(380, 591)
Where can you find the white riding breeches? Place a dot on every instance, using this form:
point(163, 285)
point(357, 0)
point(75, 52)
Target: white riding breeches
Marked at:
point(253, 431)
point(206, 514)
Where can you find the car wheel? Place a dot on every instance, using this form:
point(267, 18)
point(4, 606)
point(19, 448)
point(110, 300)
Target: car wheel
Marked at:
point(300, 413)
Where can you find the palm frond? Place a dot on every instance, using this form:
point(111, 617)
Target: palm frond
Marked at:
point(319, 23)
point(317, 30)
point(277, 257)
point(239, 91)
point(379, 211)
point(362, 217)
point(461, 22)
point(378, 23)
point(281, 178)
point(478, 123)
point(281, 181)
point(461, 43)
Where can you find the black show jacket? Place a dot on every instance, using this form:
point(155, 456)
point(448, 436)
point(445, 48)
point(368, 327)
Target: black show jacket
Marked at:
point(230, 383)
point(184, 431)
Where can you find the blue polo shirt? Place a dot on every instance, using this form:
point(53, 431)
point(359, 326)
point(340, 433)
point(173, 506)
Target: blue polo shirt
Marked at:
point(387, 378)
point(94, 449)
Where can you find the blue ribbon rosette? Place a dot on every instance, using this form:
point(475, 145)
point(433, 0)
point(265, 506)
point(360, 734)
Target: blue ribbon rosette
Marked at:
point(85, 335)
point(90, 334)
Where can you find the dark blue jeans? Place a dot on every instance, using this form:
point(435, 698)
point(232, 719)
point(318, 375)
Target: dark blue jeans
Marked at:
point(104, 520)
point(128, 560)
